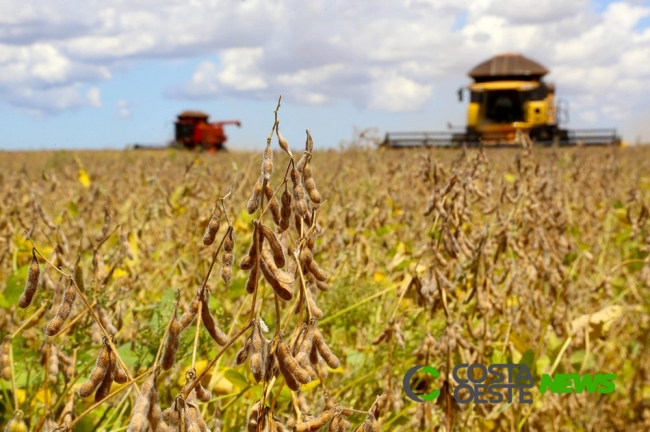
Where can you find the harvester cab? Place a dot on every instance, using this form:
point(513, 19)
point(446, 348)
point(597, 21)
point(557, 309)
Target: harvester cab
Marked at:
point(510, 94)
point(508, 97)
point(194, 131)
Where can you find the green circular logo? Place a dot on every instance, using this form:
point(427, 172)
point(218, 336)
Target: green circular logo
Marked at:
point(407, 383)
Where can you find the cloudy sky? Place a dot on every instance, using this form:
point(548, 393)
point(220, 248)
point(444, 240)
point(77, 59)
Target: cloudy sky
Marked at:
point(102, 74)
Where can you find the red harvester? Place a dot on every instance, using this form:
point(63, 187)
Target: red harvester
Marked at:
point(194, 131)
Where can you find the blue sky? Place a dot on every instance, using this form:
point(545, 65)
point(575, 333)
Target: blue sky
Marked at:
point(104, 74)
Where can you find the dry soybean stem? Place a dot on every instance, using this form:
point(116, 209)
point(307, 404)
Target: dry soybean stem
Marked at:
point(71, 383)
point(200, 376)
point(347, 410)
point(95, 252)
point(275, 122)
point(43, 256)
point(276, 396)
point(108, 338)
point(216, 253)
point(74, 320)
point(13, 376)
point(11, 353)
point(401, 296)
point(277, 313)
point(268, 385)
point(28, 320)
point(276, 191)
point(164, 336)
point(196, 334)
point(102, 241)
point(214, 379)
point(356, 305)
point(290, 314)
point(223, 204)
point(257, 284)
point(127, 385)
point(630, 261)
point(303, 286)
point(41, 422)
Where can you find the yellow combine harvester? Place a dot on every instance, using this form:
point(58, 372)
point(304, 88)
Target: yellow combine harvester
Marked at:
point(508, 99)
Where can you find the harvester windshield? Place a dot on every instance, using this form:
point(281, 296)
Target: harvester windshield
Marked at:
point(505, 106)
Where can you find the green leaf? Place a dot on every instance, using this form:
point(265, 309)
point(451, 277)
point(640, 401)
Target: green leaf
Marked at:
point(85, 425)
point(528, 358)
point(5, 385)
point(577, 357)
point(178, 193)
point(73, 209)
point(127, 355)
point(543, 364)
point(3, 302)
point(236, 378)
point(385, 229)
point(355, 359)
point(16, 285)
point(498, 357)
point(285, 395)
point(237, 288)
point(168, 297)
point(404, 264)
point(216, 306)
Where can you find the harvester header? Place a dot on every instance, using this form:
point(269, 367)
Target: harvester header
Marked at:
point(508, 98)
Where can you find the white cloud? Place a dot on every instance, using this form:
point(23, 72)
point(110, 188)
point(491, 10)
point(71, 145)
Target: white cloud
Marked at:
point(381, 55)
point(38, 78)
point(240, 69)
point(388, 56)
point(44, 65)
point(94, 97)
point(43, 101)
point(590, 117)
point(394, 92)
point(65, 45)
point(520, 12)
point(124, 107)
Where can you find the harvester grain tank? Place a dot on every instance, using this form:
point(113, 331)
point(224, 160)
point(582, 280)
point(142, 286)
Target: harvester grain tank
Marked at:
point(508, 99)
